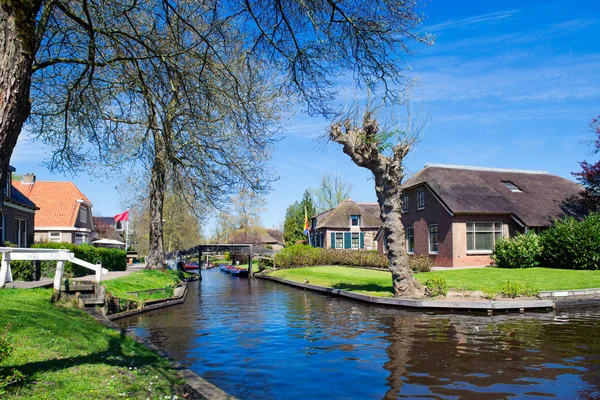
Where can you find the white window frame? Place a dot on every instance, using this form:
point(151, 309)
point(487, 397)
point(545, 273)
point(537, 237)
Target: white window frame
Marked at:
point(19, 232)
point(357, 218)
point(336, 240)
point(493, 232)
point(84, 237)
point(429, 238)
point(412, 234)
point(83, 214)
point(405, 199)
point(421, 199)
point(50, 237)
point(352, 240)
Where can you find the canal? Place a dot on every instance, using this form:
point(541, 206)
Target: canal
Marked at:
point(258, 339)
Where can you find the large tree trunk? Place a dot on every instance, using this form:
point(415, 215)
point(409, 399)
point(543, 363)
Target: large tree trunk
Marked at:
point(362, 144)
point(156, 253)
point(17, 51)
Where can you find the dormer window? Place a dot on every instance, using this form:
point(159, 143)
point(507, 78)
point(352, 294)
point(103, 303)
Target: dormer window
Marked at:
point(355, 220)
point(420, 199)
point(83, 215)
point(512, 187)
point(314, 223)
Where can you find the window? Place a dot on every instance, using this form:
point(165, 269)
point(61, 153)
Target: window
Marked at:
point(20, 232)
point(80, 238)
point(420, 199)
point(355, 240)
point(512, 187)
point(54, 237)
point(2, 235)
point(482, 236)
point(339, 240)
point(313, 224)
point(433, 238)
point(83, 214)
point(7, 184)
point(355, 220)
point(410, 240)
point(405, 204)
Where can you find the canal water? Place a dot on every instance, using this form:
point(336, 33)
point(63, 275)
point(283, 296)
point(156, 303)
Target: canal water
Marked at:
point(258, 339)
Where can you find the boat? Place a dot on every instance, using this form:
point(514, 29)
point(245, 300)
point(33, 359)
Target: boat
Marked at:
point(191, 265)
point(239, 272)
point(226, 268)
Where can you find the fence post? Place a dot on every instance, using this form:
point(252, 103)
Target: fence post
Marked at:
point(98, 271)
point(4, 269)
point(58, 275)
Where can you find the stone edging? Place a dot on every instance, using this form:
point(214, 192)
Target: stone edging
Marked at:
point(199, 387)
point(486, 305)
point(166, 303)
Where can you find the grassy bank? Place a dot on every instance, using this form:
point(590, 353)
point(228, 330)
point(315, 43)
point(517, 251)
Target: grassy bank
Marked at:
point(378, 283)
point(145, 280)
point(65, 354)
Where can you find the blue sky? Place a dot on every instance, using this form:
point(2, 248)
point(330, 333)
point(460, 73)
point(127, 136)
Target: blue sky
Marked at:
point(510, 84)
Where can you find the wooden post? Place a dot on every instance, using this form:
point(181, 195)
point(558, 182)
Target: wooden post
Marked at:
point(38, 270)
point(200, 262)
point(58, 275)
point(5, 275)
point(250, 261)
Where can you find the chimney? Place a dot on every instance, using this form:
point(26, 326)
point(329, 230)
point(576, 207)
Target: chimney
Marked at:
point(28, 179)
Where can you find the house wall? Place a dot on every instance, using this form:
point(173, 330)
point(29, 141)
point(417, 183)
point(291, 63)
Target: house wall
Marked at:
point(43, 236)
point(459, 233)
point(10, 214)
point(433, 213)
point(369, 236)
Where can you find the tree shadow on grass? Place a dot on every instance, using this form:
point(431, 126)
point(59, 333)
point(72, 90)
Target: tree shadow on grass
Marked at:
point(112, 356)
point(367, 287)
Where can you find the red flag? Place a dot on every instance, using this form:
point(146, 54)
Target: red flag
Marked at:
point(122, 217)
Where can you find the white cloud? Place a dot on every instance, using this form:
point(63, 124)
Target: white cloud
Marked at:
point(477, 19)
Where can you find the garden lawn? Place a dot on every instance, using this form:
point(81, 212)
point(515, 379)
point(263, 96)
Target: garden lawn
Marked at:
point(145, 280)
point(65, 354)
point(379, 283)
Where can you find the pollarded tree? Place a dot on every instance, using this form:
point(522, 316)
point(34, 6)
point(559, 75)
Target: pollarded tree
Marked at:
point(367, 147)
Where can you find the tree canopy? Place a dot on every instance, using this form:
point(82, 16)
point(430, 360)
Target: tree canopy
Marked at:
point(589, 176)
point(293, 227)
point(333, 189)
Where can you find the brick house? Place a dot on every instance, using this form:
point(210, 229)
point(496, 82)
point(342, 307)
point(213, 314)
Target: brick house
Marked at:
point(18, 215)
point(349, 225)
point(65, 214)
point(455, 214)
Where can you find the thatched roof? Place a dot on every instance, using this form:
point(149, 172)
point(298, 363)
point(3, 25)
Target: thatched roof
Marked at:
point(339, 216)
point(276, 234)
point(474, 190)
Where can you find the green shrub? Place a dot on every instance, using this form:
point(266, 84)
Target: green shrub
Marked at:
point(511, 289)
point(520, 251)
point(301, 255)
point(530, 290)
point(227, 256)
point(112, 260)
point(436, 286)
point(488, 293)
point(572, 244)
point(420, 263)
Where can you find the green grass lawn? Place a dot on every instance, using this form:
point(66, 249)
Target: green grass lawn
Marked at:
point(379, 283)
point(145, 280)
point(65, 354)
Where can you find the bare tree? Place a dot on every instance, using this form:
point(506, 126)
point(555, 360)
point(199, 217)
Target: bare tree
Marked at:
point(333, 190)
point(367, 146)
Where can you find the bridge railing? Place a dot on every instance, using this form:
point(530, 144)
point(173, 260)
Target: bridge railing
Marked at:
point(59, 255)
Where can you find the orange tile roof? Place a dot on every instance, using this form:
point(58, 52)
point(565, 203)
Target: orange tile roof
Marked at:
point(57, 202)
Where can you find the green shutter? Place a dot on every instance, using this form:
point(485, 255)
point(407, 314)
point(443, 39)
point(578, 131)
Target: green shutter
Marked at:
point(362, 240)
point(333, 240)
point(347, 240)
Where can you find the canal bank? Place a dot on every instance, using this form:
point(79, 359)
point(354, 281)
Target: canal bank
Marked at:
point(259, 339)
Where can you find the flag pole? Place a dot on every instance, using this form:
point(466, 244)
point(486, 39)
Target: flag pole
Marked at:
point(127, 232)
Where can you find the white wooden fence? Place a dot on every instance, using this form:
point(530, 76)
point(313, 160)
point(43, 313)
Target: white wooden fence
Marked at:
point(59, 255)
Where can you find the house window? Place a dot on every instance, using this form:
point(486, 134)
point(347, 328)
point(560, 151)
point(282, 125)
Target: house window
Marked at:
point(7, 184)
point(80, 238)
point(405, 204)
point(410, 240)
point(355, 220)
point(54, 237)
point(482, 236)
point(83, 214)
point(20, 232)
point(420, 199)
point(512, 187)
point(433, 239)
point(339, 240)
point(313, 224)
point(2, 229)
point(355, 240)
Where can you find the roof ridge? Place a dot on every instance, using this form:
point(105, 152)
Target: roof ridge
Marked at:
point(489, 169)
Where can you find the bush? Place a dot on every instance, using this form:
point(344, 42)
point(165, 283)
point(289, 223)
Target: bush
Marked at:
point(572, 244)
point(111, 259)
point(436, 286)
point(301, 255)
point(520, 251)
point(511, 289)
point(420, 263)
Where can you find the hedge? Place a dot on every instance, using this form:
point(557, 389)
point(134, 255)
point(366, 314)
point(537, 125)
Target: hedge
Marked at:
point(520, 251)
point(111, 259)
point(301, 255)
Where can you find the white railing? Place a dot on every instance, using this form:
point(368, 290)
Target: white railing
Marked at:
point(59, 255)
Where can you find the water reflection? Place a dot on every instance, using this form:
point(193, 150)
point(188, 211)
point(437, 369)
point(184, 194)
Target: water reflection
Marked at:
point(262, 340)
